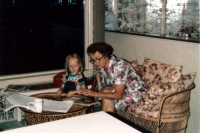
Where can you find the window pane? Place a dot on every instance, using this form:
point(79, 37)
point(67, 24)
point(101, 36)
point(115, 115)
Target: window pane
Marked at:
point(37, 35)
point(148, 17)
point(183, 17)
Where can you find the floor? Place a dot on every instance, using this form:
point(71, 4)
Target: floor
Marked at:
point(12, 125)
point(18, 124)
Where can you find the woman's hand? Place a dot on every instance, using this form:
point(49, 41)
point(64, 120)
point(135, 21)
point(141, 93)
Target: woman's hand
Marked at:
point(88, 92)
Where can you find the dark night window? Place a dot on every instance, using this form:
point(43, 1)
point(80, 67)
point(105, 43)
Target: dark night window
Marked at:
point(37, 35)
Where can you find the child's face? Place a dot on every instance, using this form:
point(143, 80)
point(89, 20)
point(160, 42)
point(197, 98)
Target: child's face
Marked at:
point(73, 66)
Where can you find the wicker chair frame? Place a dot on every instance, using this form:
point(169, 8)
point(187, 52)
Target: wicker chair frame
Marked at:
point(173, 114)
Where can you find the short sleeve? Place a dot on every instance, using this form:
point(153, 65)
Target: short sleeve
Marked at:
point(82, 81)
point(120, 72)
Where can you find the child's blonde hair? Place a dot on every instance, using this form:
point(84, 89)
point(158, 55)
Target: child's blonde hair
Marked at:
point(74, 56)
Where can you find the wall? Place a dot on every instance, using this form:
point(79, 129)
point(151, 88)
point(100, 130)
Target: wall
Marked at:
point(166, 51)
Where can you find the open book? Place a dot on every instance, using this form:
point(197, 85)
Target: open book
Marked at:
point(18, 100)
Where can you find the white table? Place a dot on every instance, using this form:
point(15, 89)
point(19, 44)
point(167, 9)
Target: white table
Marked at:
point(99, 122)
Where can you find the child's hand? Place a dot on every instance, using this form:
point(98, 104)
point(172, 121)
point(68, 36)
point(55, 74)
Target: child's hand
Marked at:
point(69, 94)
point(59, 92)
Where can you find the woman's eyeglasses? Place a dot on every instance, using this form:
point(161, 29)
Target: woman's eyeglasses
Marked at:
point(97, 60)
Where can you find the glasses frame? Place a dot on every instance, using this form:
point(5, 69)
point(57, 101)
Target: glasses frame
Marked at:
point(93, 61)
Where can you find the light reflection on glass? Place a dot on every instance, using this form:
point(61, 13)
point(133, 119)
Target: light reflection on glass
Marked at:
point(144, 16)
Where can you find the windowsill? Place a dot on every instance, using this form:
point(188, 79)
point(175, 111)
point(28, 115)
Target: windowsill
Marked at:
point(170, 37)
point(31, 74)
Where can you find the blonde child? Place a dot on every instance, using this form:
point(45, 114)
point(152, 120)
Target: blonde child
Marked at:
point(73, 80)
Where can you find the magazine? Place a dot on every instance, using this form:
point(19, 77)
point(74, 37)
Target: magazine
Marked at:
point(18, 100)
point(23, 87)
point(17, 88)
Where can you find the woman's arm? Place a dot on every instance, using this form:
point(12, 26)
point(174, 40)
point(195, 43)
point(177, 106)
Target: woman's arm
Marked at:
point(107, 93)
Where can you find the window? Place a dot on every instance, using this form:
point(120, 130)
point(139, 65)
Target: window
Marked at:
point(37, 35)
point(168, 18)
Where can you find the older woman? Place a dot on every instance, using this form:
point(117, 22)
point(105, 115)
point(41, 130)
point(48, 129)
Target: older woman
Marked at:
point(122, 87)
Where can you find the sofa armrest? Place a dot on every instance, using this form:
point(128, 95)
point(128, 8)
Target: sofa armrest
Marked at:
point(175, 106)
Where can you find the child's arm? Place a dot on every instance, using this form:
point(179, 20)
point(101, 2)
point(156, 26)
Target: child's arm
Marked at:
point(60, 91)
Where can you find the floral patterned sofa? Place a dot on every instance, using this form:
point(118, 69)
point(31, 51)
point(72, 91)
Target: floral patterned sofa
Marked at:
point(164, 108)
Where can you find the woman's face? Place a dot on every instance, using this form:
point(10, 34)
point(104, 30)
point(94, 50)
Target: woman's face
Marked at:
point(73, 66)
point(99, 60)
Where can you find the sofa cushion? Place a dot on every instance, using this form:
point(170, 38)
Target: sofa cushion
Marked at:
point(149, 104)
point(156, 72)
point(134, 63)
point(138, 68)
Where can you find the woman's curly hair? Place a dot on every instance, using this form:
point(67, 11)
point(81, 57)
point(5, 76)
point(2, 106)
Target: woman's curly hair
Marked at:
point(103, 48)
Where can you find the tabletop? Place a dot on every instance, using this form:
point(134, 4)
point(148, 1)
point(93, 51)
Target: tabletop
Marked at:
point(98, 122)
